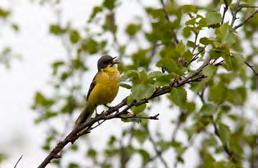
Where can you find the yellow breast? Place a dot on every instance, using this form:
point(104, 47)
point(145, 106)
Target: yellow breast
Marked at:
point(106, 88)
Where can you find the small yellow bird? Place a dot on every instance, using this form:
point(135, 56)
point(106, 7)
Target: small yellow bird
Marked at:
point(103, 89)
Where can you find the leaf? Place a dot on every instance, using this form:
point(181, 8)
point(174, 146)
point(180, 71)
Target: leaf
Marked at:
point(237, 96)
point(73, 165)
point(145, 155)
point(187, 32)
point(2, 157)
point(225, 35)
point(41, 100)
point(171, 65)
point(74, 36)
point(140, 134)
point(138, 109)
point(56, 29)
point(217, 93)
point(90, 46)
point(56, 65)
point(189, 8)
point(209, 71)
point(205, 41)
point(4, 13)
point(46, 116)
point(92, 153)
point(178, 96)
point(224, 133)
point(109, 4)
point(96, 10)
point(125, 85)
point(213, 18)
point(132, 29)
point(208, 109)
point(142, 91)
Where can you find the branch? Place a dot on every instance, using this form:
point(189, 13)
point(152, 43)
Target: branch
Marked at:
point(16, 164)
point(246, 20)
point(252, 68)
point(155, 117)
point(234, 13)
point(116, 112)
point(230, 153)
point(224, 12)
point(158, 151)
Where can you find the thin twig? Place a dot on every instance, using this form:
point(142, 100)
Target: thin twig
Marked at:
point(157, 150)
point(246, 20)
point(16, 164)
point(252, 68)
point(224, 11)
point(155, 117)
point(229, 152)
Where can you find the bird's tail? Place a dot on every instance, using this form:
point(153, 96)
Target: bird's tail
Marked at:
point(85, 114)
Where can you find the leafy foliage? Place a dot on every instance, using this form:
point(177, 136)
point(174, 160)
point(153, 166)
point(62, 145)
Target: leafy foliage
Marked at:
point(213, 106)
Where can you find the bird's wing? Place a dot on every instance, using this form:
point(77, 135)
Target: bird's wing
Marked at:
point(92, 85)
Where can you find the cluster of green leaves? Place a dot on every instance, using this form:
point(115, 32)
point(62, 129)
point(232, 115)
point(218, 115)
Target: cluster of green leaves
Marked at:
point(6, 53)
point(213, 109)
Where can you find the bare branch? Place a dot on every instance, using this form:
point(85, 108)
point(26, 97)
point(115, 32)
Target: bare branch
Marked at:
point(224, 11)
point(16, 164)
point(229, 152)
point(246, 20)
point(157, 150)
point(155, 117)
point(252, 68)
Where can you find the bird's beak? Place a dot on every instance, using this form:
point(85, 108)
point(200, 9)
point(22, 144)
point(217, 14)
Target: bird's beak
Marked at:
point(115, 61)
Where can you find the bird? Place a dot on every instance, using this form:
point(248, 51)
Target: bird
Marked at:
point(103, 88)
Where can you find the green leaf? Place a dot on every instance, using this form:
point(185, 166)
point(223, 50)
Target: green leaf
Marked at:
point(125, 85)
point(56, 65)
point(96, 10)
point(189, 8)
point(89, 46)
point(205, 41)
point(224, 133)
point(187, 32)
point(46, 116)
point(92, 153)
point(132, 29)
point(41, 100)
point(112, 140)
point(110, 4)
point(226, 36)
point(142, 91)
point(138, 109)
point(213, 18)
point(171, 65)
point(237, 96)
point(2, 157)
point(73, 165)
point(210, 71)
point(208, 109)
point(56, 29)
point(110, 24)
point(140, 134)
point(217, 93)
point(4, 13)
point(178, 96)
point(74, 36)
point(145, 155)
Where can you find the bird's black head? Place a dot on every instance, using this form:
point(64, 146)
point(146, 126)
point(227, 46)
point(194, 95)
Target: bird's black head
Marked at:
point(105, 61)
